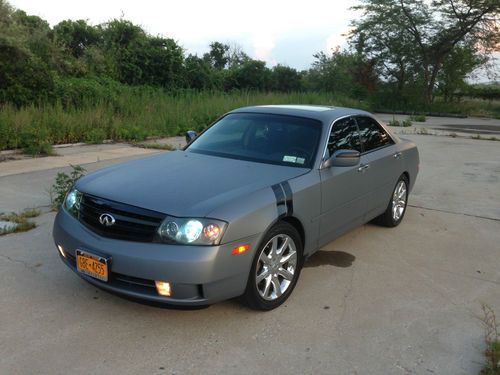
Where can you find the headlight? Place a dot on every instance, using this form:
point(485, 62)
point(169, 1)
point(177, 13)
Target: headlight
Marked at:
point(72, 201)
point(192, 231)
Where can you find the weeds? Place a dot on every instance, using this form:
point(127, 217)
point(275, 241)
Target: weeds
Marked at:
point(39, 149)
point(135, 113)
point(403, 123)
point(418, 118)
point(492, 341)
point(20, 221)
point(63, 184)
point(30, 213)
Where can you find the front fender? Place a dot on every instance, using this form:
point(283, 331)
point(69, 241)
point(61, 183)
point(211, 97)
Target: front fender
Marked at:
point(249, 215)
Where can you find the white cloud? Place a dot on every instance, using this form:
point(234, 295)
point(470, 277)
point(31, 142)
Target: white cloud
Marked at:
point(263, 46)
point(334, 41)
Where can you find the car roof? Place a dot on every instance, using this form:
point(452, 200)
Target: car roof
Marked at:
point(325, 114)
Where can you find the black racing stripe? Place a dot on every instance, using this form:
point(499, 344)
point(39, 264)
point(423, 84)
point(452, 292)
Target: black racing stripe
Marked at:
point(288, 196)
point(280, 200)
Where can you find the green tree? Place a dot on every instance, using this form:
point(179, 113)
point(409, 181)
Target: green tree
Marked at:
point(24, 76)
point(284, 78)
point(457, 65)
point(218, 55)
point(199, 74)
point(342, 72)
point(249, 75)
point(410, 41)
point(76, 36)
point(142, 59)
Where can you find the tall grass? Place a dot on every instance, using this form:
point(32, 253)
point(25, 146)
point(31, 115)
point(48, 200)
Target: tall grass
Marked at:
point(134, 114)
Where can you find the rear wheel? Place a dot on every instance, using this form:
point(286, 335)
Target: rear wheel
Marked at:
point(275, 269)
point(396, 209)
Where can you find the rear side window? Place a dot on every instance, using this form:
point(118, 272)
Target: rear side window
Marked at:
point(344, 136)
point(373, 136)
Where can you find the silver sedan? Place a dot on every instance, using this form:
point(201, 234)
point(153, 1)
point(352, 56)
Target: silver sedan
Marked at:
point(239, 209)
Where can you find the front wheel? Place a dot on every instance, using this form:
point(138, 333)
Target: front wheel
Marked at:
point(275, 269)
point(396, 209)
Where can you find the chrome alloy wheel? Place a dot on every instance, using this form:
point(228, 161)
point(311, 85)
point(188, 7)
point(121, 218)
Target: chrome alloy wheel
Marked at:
point(399, 200)
point(276, 267)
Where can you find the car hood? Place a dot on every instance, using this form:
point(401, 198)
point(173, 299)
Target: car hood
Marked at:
point(182, 183)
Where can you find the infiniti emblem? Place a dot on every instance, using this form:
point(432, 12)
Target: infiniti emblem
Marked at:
point(106, 220)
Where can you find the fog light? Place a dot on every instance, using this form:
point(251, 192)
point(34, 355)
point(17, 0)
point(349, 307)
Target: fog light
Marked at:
point(61, 251)
point(163, 288)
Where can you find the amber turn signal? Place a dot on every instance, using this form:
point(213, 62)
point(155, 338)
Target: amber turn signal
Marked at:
point(241, 249)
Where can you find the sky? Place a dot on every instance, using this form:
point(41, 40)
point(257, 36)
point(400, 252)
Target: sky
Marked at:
point(276, 31)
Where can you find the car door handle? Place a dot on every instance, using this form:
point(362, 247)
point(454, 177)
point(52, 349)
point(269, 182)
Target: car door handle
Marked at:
point(361, 168)
point(397, 155)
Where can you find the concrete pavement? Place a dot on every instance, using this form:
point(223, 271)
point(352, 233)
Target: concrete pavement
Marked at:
point(26, 183)
point(463, 127)
point(375, 301)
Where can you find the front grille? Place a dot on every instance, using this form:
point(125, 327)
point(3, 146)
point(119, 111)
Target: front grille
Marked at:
point(131, 223)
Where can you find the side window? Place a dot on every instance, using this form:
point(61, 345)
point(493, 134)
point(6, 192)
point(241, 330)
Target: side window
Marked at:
point(372, 134)
point(344, 136)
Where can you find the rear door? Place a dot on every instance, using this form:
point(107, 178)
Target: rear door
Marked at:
point(343, 189)
point(385, 164)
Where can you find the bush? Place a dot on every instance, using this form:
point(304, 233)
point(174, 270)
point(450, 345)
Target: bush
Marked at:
point(20, 221)
point(63, 184)
point(492, 341)
point(39, 149)
point(81, 92)
point(418, 118)
point(404, 123)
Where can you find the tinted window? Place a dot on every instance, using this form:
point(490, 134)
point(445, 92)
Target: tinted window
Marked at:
point(344, 136)
point(372, 134)
point(275, 139)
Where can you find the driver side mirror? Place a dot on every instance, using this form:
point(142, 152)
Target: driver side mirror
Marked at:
point(342, 158)
point(190, 136)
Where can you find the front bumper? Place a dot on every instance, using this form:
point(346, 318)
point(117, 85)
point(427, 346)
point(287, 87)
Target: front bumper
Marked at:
point(200, 275)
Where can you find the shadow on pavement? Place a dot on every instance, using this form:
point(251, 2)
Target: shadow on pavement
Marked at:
point(330, 258)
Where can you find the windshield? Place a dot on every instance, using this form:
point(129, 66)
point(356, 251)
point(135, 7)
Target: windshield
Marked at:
point(265, 138)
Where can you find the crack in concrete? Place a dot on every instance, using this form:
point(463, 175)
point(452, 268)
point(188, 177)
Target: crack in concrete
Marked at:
point(344, 300)
point(454, 213)
point(25, 264)
point(472, 277)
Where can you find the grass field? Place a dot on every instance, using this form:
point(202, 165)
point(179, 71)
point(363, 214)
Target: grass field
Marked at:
point(138, 113)
point(136, 116)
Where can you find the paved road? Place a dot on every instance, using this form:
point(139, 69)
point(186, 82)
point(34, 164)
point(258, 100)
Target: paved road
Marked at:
point(486, 127)
point(377, 300)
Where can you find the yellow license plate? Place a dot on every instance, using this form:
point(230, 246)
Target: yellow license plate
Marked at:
point(92, 265)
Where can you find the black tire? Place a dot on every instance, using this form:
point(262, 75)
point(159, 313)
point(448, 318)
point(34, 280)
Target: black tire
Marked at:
point(252, 297)
point(387, 218)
